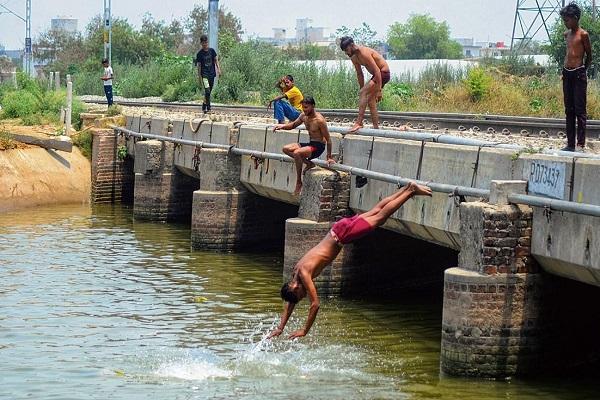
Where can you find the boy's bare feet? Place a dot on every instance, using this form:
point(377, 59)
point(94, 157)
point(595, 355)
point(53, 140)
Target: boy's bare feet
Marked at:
point(419, 190)
point(309, 165)
point(355, 128)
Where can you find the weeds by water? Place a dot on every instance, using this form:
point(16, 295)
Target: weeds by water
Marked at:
point(83, 140)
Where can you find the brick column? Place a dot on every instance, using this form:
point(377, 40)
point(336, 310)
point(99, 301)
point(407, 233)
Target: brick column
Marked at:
point(490, 323)
point(324, 199)
point(226, 216)
point(112, 177)
point(162, 193)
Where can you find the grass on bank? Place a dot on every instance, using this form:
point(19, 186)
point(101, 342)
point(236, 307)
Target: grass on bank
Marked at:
point(34, 103)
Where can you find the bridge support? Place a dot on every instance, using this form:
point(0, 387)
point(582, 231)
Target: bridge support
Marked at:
point(162, 192)
point(225, 215)
point(112, 174)
point(324, 199)
point(490, 323)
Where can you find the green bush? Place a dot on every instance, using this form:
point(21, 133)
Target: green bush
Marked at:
point(478, 83)
point(19, 104)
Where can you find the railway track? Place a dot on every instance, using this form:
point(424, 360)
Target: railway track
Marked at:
point(496, 124)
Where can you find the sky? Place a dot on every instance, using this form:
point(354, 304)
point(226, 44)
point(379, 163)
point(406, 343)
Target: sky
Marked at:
point(483, 20)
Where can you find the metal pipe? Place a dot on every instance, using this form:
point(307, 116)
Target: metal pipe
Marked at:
point(436, 187)
point(558, 205)
point(536, 201)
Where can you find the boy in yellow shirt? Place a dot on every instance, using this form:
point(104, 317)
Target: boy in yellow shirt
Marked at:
point(283, 109)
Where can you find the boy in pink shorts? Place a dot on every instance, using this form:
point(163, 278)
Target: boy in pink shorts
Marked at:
point(316, 259)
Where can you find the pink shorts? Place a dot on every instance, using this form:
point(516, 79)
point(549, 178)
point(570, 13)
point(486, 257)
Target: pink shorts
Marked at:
point(349, 229)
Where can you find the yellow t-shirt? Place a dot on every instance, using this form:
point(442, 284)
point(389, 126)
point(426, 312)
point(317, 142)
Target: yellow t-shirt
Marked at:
point(294, 95)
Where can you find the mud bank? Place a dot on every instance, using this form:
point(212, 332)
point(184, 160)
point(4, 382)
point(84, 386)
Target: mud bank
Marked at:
point(34, 177)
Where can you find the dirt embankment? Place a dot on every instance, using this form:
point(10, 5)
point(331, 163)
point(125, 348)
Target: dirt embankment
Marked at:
point(34, 176)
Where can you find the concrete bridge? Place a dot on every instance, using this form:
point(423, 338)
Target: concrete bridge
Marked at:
point(500, 310)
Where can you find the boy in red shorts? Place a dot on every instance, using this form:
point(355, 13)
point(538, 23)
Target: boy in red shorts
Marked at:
point(316, 259)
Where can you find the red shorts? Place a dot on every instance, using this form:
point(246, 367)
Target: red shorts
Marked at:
point(385, 78)
point(349, 229)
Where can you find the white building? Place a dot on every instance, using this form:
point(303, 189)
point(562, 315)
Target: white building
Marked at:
point(66, 24)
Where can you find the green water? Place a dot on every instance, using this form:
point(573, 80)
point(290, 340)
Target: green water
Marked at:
point(94, 305)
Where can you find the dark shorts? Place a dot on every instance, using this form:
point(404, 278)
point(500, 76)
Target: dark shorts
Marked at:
point(385, 78)
point(317, 148)
point(349, 229)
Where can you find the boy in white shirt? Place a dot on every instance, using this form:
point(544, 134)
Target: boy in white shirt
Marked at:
point(107, 78)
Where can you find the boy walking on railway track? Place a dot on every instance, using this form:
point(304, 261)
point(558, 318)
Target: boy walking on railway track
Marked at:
point(574, 76)
point(207, 62)
point(316, 259)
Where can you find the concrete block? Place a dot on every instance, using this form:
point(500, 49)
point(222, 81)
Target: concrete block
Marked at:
point(567, 244)
point(500, 190)
point(159, 126)
point(586, 182)
point(453, 165)
point(523, 171)
point(148, 156)
point(494, 164)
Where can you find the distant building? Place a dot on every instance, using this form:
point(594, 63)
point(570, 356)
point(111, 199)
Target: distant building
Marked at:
point(473, 49)
point(305, 34)
point(66, 24)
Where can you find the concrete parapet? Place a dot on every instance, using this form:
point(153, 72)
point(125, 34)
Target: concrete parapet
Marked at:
point(567, 244)
point(586, 181)
point(112, 177)
point(558, 182)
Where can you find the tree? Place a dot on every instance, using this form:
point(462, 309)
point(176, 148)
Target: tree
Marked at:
point(362, 35)
point(421, 37)
point(128, 45)
point(230, 28)
point(57, 44)
point(170, 35)
point(557, 47)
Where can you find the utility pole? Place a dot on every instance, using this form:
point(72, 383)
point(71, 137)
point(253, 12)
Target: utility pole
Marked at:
point(27, 56)
point(531, 17)
point(28, 52)
point(213, 24)
point(108, 31)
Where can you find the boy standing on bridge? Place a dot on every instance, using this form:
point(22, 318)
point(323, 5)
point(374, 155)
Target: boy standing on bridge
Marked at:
point(370, 93)
point(283, 109)
point(316, 259)
point(574, 76)
point(302, 153)
point(207, 62)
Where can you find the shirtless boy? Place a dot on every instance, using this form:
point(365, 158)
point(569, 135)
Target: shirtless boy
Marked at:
point(574, 76)
point(302, 153)
point(370, 93)
point(316, 259)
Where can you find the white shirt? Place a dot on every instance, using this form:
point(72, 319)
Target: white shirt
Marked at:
point(108, 73)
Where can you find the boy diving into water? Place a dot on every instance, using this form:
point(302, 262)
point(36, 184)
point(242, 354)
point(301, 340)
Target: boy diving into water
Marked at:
point(316, 259)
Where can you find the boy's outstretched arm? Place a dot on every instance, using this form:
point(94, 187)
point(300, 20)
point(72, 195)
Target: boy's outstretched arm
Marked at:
point(285, 316)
